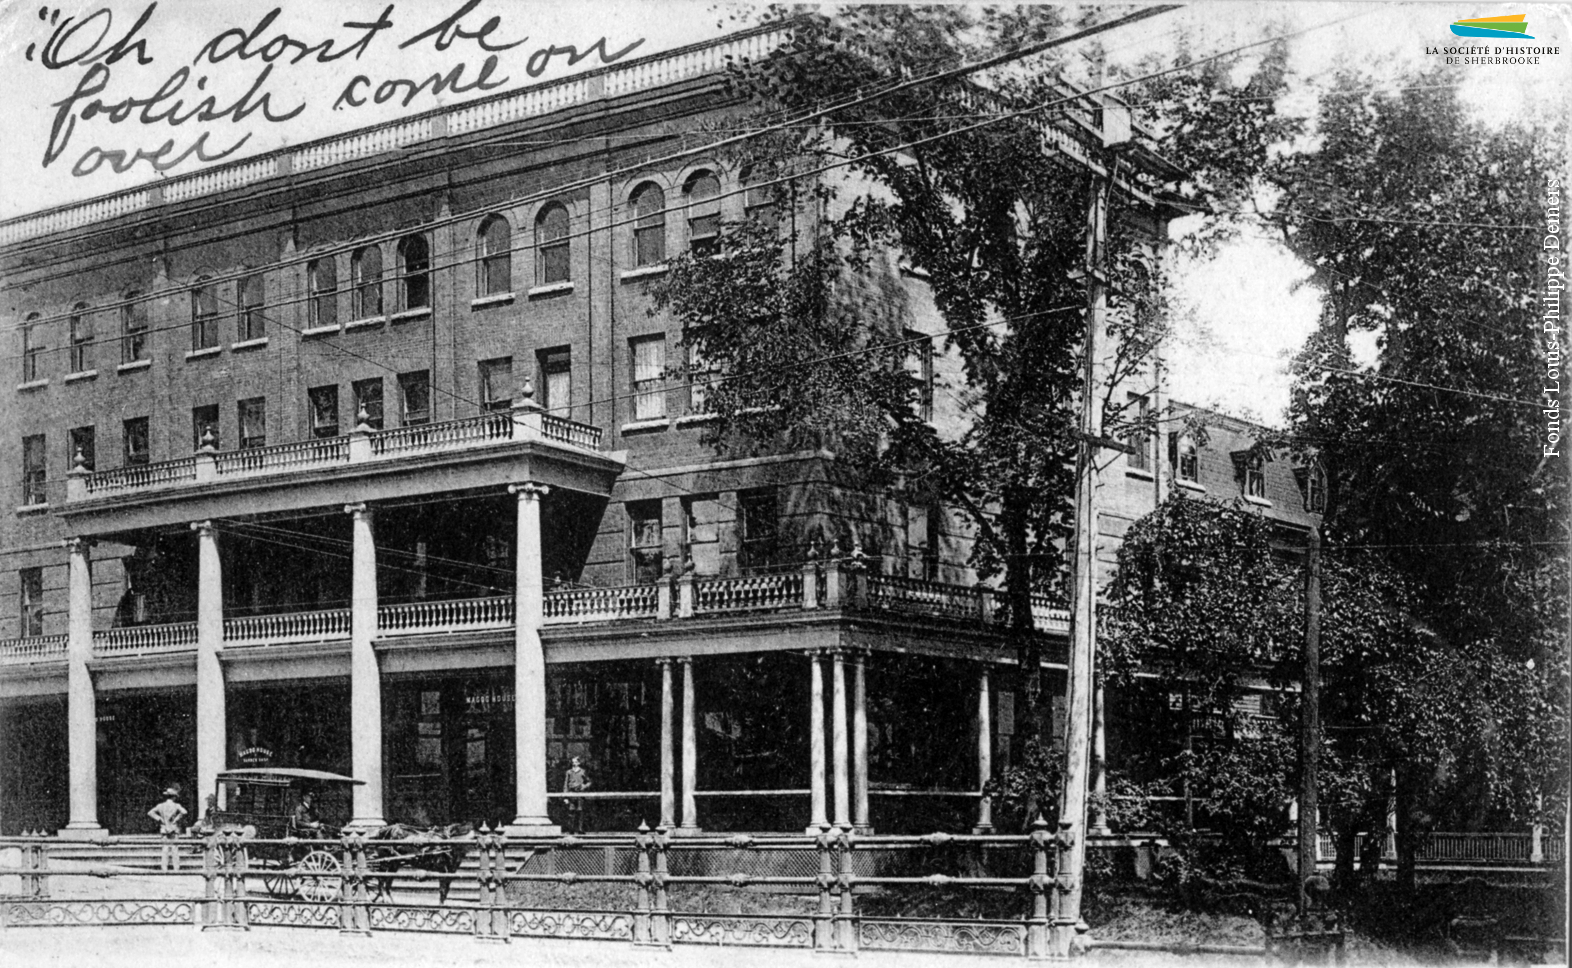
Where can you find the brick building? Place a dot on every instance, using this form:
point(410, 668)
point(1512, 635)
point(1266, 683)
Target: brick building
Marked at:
point(368, 460)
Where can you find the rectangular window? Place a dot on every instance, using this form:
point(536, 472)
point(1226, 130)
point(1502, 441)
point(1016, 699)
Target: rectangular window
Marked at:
point(368, 402)
point(758, 524)
point(81, 440)
point(496, 383)
point(649, 373)
point(919, 367)
point(1139, 410)
point(135, 434)
point(414, 265)
point(1184, 456)
point(204, 317)
point(556, 380)
point(204, 426)
point(322, 278)
point(133, 326)
point(81, 340)
point(32, 351)
point(644, 541)
point(34, 470)
point(324, 411)
point(930, 552)
point(253, 318)
point(414, 391)
point(31, 608)
point(253, 423)
point(701, 373)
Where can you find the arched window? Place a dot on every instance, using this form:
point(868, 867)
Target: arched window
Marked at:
point(252, 321)
point(758, 199)
point(1255, 477)
point(649, 229)
point(701, 194)
point(133, 328)
point(495, 257)
point(366, 276)
point(1315, 487)
point(32, 349)
point(322, 279)
point(81, 339)
point(553, 251)
point(204, 315)
point(414, 261)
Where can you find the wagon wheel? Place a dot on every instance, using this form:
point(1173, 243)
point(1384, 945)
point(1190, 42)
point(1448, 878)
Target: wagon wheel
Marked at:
point(278, 884)
point(317, 877)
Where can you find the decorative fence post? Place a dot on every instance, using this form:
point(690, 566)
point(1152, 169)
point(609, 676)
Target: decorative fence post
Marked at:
point(209, 910)
point(846, 920)
point(229, 870)
point(35, 860)
point(643, 933)
point(824, 918)
point(662, 915)
point(1039, 883)
point(354, 915)
point(491, 921)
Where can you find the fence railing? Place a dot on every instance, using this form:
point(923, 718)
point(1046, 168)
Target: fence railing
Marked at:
point(749, 593)
point(831, 892)
point(576, 605)
point(140, 476)
point(282, 457)
point(287, 627)
point(442, 436)
point(443, 616)
point(1464, 848)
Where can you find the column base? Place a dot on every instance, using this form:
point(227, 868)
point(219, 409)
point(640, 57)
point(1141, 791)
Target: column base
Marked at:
point(532, 827)
point(982, 828)
point(1100, 831)
point(82, 831)
point(688, 831)
point(360, 824)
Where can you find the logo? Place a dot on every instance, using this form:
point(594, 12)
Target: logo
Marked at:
point(1512, 27)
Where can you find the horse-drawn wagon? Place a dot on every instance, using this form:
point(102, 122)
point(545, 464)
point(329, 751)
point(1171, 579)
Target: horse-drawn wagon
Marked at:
point(298, 855)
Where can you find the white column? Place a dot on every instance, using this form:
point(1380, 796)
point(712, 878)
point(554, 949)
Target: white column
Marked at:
point(984, 750)
point(81, 703)
point(668, 756)
point(365, 678)
point(690, 750)
point(212, 733)
point(859, 742)
point(838, 719)
point(529, 670)
point(817, 816)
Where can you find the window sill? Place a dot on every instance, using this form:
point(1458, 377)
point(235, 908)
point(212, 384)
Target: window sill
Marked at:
point(319, 330)
point(204, 352)
point(1257, 501)
point(365, 322)
point(33, 384)
point(133, 366)
point(1138, 474)
point(551, 289)
point(495, 299)
point(419, 312)
point(27, 509)
point(644, 272)
point(249, 344)
point(697, 418)
point(1195, 486)
point(643, 426)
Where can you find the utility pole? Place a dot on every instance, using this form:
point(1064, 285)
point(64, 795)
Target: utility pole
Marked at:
point(1310, 719)
point(1083, 620)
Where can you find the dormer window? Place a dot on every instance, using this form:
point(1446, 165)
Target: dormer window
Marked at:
point(1315, 487)
point(1185, 458)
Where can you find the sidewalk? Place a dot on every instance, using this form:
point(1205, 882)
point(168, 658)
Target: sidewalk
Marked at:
point(181, 947)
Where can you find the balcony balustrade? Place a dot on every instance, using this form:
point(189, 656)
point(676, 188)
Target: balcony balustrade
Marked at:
point(36, 648)
point(682, 598)
point(523, 423)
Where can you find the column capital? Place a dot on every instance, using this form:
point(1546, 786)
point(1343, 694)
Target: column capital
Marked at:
point(682, 659)
point(664, 661)
point(357, 509)
point(529, 490)
point(204, 529)
point(79, 545)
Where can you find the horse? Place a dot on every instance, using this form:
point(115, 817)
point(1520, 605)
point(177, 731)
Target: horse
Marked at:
point(399, 846)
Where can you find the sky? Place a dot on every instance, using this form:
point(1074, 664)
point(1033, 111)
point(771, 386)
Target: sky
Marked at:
point(1242, 311)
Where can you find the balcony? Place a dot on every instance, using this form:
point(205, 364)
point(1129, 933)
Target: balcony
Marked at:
point(812, 590)
point(472, 453)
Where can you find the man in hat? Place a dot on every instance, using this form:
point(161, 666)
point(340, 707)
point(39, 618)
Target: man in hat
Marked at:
point(168, 815)
point(576, 781)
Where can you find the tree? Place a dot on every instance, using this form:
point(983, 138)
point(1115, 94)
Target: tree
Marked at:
point(805, 333)
point(1422, 226)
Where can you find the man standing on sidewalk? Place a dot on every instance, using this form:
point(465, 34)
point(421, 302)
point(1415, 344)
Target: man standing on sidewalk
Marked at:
point(168, 815)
